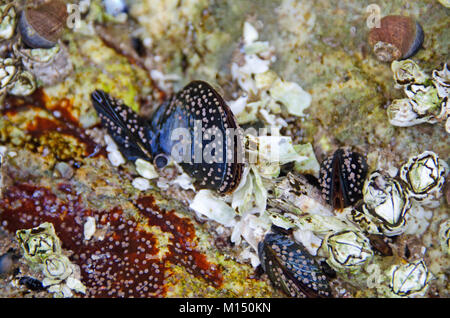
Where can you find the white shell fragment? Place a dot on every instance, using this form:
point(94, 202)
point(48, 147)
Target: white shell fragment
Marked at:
point(141, 184)
point(291, 95)
point(445, 3)
point(207, 204)
point(184, 181)
point(114, 155)
point(89, 228)
point(250, 33)
point(146, 169)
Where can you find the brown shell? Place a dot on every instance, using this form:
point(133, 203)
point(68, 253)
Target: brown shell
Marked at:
point(398, 37)
point(48, 18)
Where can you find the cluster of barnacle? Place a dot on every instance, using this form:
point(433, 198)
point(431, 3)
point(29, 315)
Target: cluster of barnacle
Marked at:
point(350, 234)
point(41, 249)
point(391, 200)
point(396, 39)
point(427, 98)
point(30, 52)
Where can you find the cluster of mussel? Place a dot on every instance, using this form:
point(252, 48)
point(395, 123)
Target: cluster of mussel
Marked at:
point(351, 207)
point(30, 50)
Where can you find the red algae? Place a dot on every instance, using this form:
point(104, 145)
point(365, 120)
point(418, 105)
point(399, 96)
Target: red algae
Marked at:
point(64, 122)
point(124, 262)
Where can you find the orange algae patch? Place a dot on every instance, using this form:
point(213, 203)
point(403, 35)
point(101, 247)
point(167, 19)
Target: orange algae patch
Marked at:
point(124, 262)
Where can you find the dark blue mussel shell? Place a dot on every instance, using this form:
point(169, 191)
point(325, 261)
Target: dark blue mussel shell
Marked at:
point(131, 132)
point(195, 127)
point(291, 268)
point(342, 177)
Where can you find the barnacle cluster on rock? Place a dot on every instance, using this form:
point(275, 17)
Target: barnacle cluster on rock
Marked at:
point(39, 61)
point(427, 97)
point(42, 249)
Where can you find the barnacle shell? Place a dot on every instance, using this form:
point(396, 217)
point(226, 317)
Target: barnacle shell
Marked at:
point(49, 66)
point(398, 37)
point(424, 175)
point(401, 113)
point(42, 25)
point(385, 199)
point(425, 99)
point(8, 21)
point(409, 279)
point(7, 72)
point(24, 84)
point(408, 72)
point(39, 242)
point(347, 250)
point(441, 80)
point(57, 267)
point(365, 221)
point(295, 193)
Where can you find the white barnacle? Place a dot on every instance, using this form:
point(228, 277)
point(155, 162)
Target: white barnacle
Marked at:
point(408, 280)
point(386, 201)
point(407, 72)
point(401, 113)
point(8, 21)
point(347, 250)
point(424, 175)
